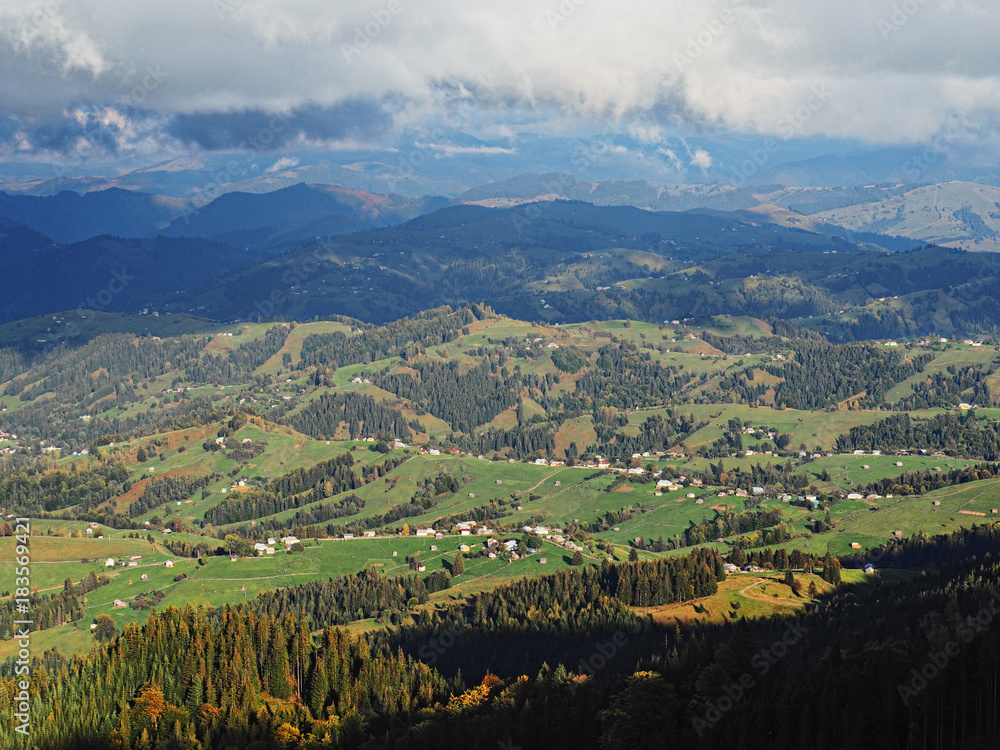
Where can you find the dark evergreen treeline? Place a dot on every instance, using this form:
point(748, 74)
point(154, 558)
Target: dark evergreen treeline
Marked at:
point(307, 519)
point(462, 399)
point(169, 490)
point(50, 610)
point(656, 433)
point(730, 523)
point(519, 627)
point(321, 481)
point(91, 373)
point(349, 598)
point(955, 434)
point(38, 488)
point(43, 420)
point(922, 482)
point(363, 415)
point(911, 665)
point(922, 552)
point(239, 364)
point(951, 388)
point(626, 378)
point(14, 362)
point(825, 374)
point(401, 338)
point(519, 441)
point(193, 680)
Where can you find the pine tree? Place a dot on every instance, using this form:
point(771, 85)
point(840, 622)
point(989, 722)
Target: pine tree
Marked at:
point(277, 674)
point(318, 690)
point(458, 567)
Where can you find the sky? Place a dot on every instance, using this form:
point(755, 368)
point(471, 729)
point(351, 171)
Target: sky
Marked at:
point(167, 77)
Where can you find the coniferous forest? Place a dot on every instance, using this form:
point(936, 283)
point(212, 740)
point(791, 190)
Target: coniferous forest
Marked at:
point(462, 530)
point(559, 662)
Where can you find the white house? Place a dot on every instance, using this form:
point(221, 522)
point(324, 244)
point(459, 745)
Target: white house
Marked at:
point(109, 563)
point(169, 564)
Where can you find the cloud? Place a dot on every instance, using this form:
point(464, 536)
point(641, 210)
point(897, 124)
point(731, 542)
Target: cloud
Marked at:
point(354, 71)
point(285, 162)
point(701, 159)
point(52, 33)
point(448, 149)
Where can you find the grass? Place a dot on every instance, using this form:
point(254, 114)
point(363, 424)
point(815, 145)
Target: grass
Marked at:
point(810, 428)
point(741, 595)
point(845, 471)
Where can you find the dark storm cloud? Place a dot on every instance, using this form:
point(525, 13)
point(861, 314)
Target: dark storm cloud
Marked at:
point(216, 131)
point(883, 70)
point(66, 134)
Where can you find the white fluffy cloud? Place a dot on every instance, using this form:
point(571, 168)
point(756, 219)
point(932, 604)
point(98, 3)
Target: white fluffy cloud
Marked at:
point(884, 70)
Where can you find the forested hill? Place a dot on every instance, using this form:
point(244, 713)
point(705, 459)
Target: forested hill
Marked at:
point(556, 261)
point(567, 261)
point(899, 662)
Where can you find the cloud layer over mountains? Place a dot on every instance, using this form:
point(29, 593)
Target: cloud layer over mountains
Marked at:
point(152, 77)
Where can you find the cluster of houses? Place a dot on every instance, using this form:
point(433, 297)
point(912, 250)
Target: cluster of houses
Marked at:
point(463, 528)
point(131, 562)
point(262, 549)
point(528, 342)
point(7, 450)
